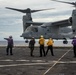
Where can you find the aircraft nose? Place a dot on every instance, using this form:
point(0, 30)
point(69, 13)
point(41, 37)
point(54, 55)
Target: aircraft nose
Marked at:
point(26, 35)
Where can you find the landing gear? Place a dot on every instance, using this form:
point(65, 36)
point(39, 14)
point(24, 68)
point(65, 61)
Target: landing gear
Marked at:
point(65, 41)
point(26, 41)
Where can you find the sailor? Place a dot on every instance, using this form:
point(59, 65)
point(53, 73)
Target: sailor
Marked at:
point(41, 43)
point(31, 46)
point(10, 45)
point(74, 46)
point(50, 46)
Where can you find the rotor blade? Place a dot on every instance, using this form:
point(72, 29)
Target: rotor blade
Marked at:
point(28, 10)
point(72, 3)
point(23, 11)
point(41, 10)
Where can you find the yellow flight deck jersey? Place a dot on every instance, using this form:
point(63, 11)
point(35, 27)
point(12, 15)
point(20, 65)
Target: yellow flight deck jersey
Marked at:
point(41, 41)
point(50, 42)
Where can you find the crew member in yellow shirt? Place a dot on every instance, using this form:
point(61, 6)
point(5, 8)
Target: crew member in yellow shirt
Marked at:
point(50, 46)
point(41, 42)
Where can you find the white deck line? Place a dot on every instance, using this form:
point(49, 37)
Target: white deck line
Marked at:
point(37, 61)
point(56, 62)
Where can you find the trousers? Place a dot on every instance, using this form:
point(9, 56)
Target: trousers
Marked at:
point(9, 49)
point(51, 50)
point(42, 50)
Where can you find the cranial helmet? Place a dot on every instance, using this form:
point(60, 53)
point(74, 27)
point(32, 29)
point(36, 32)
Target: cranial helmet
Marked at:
point(41, 36)
point(10, 36)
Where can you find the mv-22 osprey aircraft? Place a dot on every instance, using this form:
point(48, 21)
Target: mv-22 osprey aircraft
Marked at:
point(56, 30)
point(73, 18)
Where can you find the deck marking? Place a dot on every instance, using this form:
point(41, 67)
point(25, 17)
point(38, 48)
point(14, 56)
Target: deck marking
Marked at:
point(38, 61)
point(7, 60)
point(56, 62)
point(23, 60)
point(26, 64)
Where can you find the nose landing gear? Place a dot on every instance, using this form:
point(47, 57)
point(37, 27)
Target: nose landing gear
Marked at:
point(26, 41)
point(65, 41)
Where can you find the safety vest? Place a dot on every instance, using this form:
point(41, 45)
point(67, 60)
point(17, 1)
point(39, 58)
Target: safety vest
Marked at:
point(50, 42)
point(41, 41)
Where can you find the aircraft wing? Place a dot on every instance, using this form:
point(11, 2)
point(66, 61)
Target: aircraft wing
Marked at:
point(62, 23)
point(34, 23)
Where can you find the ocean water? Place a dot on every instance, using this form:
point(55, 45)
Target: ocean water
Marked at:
point(58, 43)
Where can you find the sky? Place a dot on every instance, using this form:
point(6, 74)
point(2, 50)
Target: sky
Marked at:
point(11, 21)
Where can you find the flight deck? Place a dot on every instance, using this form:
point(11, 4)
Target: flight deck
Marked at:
point(21, 63)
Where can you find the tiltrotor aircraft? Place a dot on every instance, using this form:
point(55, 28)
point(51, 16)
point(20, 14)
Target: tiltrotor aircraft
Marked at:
point(56, 30)
point(73, 18)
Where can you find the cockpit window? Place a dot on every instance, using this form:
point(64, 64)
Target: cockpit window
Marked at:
point(32, 28)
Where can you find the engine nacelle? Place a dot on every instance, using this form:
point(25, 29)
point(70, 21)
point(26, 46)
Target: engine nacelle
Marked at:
point(74, 22)
point(25, 19)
